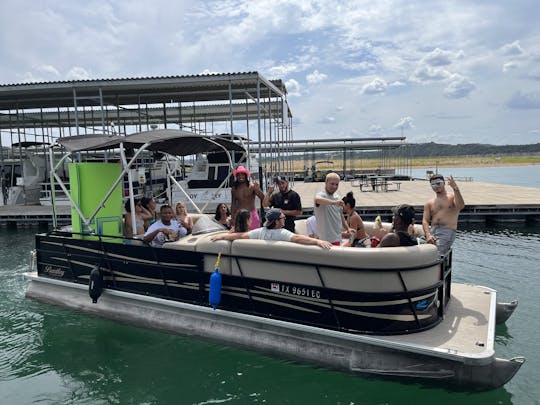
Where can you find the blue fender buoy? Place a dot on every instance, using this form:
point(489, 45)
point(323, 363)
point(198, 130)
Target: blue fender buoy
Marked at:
point(95, 284)
point(214, 294)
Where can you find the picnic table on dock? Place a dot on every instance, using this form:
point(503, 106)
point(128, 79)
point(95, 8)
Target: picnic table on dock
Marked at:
point(376, 183)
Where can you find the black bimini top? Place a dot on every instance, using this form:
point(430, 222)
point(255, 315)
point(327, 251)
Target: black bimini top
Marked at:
point(171, 141)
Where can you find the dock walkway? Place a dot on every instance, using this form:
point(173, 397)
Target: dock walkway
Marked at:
point(484, 202)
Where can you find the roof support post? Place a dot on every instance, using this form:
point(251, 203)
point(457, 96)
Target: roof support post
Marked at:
point(75, 107)
point(230, 107)
point(259, 123)
point(101, 108)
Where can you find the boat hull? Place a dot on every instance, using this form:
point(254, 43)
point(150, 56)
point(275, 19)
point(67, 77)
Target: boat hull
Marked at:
point(362, 354)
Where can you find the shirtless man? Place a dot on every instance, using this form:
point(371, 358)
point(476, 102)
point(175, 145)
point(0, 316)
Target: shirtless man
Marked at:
point(442, 214)
point(243, 196)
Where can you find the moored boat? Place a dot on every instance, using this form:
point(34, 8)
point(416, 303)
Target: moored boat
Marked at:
point(21, 179)
point(391, 311)
point(210, 179)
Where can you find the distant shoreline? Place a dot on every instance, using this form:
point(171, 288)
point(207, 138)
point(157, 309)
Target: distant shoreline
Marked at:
point(438, 162)
point(473, 165)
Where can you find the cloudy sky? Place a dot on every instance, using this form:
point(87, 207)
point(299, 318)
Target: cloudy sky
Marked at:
point(442, 71)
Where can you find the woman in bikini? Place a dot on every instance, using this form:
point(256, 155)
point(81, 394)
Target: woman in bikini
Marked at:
point(128, 220)
point(223, 215)
point(358, 238)
point(149, 211)
point(183, 217)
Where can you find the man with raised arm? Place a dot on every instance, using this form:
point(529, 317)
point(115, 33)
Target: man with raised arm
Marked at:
point(441, 213)
point(287, 200)
point(329, 211)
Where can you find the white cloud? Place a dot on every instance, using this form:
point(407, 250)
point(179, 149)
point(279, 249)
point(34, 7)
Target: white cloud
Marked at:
point(404, 123)
point(438, 57)
point(78, 73)
point(397, 83)
point(48, 69)
point(376, 86)
point(284, 70)
point(427, 74)
point(328, 120)
point(512, 49)
point(293, 88)
point(316, 77)
point(459, 87)
point(208, 72)
point(508, 66)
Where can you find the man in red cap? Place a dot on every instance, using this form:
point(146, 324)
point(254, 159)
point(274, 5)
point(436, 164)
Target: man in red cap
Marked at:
point(243, 196)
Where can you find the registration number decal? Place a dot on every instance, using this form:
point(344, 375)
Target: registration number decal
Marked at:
point(295, 290)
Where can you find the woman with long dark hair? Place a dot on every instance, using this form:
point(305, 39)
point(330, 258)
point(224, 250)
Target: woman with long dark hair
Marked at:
point(223, 215)
point(358, 237)
point(242, 221)
point(149, 211)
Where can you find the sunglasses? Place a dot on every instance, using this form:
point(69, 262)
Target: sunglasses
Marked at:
point(437, 184)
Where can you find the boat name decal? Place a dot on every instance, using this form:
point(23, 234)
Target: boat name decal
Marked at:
point(295, 290)
point(54, 271)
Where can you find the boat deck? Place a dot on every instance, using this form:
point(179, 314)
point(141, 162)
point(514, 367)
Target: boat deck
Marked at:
point(467, 329)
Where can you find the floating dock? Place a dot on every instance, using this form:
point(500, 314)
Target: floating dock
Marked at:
point(484, 202)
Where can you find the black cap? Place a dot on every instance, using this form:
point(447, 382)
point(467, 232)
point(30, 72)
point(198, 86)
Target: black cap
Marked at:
point(272, 215)
point(280, 179)
point(405, 212)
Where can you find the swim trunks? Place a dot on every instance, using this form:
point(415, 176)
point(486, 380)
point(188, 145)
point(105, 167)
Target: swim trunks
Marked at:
point(445, 238)
point(255, 220)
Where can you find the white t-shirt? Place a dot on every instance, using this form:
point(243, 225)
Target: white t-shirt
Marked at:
point(160, 238)
point(328, 218)
point(263, 233)
point(311, 226)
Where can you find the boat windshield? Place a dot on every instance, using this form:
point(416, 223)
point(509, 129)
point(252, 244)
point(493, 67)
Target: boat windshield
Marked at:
point(205, 224)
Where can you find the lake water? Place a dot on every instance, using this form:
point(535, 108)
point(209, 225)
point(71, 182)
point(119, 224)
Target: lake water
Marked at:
point(525, 176)
point(49, 355)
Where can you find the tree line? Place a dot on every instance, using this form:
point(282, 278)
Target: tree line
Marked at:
point(433, 149)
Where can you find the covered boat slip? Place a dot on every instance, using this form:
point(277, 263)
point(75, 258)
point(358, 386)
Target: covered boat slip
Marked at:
point(243, 103)
point(451, 352)
point(235, 103)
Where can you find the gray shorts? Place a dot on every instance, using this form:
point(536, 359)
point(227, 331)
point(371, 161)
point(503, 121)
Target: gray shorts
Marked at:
point(445, 238)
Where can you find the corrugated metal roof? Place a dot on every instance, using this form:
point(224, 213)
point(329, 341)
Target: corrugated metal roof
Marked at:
point(139, 90)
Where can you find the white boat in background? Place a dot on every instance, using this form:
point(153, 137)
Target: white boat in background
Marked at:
point(209, 182)
point(22, 178)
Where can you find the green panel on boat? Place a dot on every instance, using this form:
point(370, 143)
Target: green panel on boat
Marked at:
point(89, 183)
